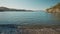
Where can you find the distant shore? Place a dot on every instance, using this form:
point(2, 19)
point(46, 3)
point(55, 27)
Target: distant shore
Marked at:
point(3, 9)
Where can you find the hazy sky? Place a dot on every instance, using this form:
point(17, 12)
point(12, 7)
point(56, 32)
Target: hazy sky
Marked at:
point(28, 4)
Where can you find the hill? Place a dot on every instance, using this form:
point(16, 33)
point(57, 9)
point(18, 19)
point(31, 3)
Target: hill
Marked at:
point(54, 9)
point(10, 9)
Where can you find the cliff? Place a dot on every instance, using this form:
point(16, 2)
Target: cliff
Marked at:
point(54, 9)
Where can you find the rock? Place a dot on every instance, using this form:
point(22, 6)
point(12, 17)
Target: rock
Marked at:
point(54, 9)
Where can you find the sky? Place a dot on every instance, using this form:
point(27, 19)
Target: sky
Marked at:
point(28, 4)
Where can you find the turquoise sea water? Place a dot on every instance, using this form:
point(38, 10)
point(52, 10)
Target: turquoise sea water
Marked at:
point(31, 18)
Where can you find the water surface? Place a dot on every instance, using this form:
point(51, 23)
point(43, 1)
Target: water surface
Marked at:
point(31, 18)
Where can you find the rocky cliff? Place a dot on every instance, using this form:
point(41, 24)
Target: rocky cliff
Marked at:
point(54, 9)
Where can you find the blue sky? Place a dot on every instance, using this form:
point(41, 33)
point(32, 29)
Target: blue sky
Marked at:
point(29, 4)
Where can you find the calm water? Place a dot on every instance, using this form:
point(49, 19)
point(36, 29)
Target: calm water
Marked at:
point(24, 18)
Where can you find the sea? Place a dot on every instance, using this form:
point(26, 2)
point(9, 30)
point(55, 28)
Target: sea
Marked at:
point(25, 18)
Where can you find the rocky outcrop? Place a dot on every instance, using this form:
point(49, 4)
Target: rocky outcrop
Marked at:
point(54, 9)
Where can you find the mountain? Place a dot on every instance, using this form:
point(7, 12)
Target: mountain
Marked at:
point(10, 9)
point(54, 9)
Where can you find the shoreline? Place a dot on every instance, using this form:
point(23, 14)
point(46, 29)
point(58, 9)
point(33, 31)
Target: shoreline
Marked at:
point(29, 26)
